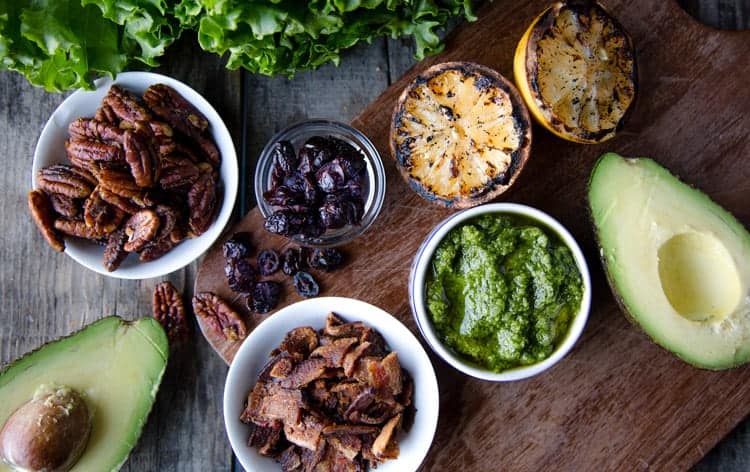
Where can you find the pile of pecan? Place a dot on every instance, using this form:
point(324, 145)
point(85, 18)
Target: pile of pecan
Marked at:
point(143, 176)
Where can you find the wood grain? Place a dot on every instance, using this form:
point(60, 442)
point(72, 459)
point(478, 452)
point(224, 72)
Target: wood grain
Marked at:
point(617, 402)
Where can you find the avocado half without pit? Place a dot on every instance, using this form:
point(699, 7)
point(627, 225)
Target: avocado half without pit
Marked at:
point(80, 403)
point(677, 262)
point(460, 134)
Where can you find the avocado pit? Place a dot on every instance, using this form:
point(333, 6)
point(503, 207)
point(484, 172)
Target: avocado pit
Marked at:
point(699, 277)
point(48, 433)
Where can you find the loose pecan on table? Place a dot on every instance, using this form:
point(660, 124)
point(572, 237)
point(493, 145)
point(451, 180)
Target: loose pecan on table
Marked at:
point(169, 310)
point(44, 217)
point(220, 316)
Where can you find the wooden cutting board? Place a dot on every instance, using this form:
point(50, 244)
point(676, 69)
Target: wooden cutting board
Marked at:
point(617, 401)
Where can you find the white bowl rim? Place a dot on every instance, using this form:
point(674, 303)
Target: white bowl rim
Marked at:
point(273, 327)
point(417, 282)
point(229, 175)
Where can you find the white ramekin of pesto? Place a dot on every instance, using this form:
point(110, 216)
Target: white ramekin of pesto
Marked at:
point(500, 291)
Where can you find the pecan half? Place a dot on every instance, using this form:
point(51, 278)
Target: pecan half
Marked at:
point(141, 229)
point(220, 316)
point(127, 205)
point(184, 117)
point(65, 206)
point(208, 146)
point(100, 215)
point(76, 228)
point(87, 150)
point(161, 129)
point(169, 310)
point(202, 203)
point(65, 180)
point(177, 172)
point(114, 251)
point(86, 128)
point(44, 217)
point(156, 249)
point(175, 110)
point(105, 114)
point(142, 157)
point(126, 106)
point(167, 221)
point(120, 183)
point(185, 150)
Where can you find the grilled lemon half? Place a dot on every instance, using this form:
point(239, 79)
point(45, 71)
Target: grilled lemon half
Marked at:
point(460, 134)
point(575, 68)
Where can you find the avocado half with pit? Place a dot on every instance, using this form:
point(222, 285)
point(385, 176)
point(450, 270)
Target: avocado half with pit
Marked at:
point(113, 366)
point(677, 262)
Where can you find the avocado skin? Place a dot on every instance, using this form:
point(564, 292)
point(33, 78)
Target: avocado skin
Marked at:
point(145, 333)
point(689, 358)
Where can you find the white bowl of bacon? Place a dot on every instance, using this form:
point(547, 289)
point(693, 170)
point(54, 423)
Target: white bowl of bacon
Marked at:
point(312, 389)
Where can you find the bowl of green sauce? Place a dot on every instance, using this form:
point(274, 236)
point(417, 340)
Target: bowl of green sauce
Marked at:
point(501, 291)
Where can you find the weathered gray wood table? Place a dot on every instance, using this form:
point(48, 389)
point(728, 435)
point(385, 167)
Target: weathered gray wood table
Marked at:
point(45, 295)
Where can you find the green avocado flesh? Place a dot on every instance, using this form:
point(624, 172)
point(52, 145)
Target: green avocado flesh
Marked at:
point(502, 291)
point(677, 262)
point(116, 365)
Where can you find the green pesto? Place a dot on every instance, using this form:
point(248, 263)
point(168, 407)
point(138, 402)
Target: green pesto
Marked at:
point(502, 291)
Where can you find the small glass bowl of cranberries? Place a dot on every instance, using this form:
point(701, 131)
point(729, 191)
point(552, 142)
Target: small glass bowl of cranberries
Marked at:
point(320, 183)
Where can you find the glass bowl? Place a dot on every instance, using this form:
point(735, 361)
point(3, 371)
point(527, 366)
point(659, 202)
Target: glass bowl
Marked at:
point(373, 188)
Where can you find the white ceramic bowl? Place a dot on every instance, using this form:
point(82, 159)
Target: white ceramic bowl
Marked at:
point(253, 355)
point(417, 292)
point(50, 149)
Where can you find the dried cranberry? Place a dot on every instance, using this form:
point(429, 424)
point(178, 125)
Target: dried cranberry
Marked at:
point(320, 149)
point(240, 274)
point(306, 284)
point(353, 166)
point(268, 261)
point(264, 297)
point(332, 214)
point(354, 209)
point(343, 149)
point(330, 176)
point(282, 196)
point(284, 223)
point(327, 260)
point(353, 189)
point(291, 261)
point(238, 246)
point(284, 157)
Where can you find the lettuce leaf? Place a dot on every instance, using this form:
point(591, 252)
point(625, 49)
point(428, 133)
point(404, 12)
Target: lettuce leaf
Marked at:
point(149, 24)
point(66, 44)
point(283, 36)
point(58, 44)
